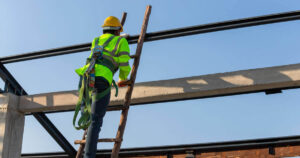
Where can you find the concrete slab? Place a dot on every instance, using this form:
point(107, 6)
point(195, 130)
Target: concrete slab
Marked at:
point(11, 126)
point(219, 84)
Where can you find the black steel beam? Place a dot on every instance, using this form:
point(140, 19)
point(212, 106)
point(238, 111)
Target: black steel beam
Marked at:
point(181, 149)
point(11, 85)
point(53, 131)
point(179, 32)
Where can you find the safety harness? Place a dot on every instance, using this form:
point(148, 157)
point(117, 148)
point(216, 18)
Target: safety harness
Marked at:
point(87, 85)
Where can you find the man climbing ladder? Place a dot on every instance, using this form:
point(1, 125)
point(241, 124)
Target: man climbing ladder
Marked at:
point(110, 52)
point(88, 73)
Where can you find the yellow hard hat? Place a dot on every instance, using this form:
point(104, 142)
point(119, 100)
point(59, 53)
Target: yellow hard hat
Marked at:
point(112, 23)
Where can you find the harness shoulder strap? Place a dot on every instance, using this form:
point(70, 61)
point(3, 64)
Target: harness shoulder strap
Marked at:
point(106, 42)
point(96, 41)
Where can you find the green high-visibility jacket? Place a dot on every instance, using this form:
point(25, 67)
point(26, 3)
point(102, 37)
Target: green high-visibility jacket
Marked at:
point(117, 51)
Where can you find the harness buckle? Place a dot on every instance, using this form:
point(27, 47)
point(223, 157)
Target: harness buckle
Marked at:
point(98, 52)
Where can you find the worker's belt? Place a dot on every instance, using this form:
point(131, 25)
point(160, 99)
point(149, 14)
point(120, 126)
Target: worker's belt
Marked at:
point(105, 62)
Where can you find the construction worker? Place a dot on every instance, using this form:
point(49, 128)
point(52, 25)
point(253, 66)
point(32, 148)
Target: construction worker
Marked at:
point(115, 56)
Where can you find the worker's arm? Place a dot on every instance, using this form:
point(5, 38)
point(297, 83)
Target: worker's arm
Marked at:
point(123, 59)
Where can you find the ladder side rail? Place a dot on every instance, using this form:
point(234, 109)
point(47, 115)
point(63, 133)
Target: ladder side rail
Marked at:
point(123, 119)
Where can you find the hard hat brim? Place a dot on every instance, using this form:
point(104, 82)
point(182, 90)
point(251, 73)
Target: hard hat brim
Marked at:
point(112, 28)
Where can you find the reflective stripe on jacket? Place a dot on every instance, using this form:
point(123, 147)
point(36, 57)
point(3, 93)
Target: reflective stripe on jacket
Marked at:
point(117, 51)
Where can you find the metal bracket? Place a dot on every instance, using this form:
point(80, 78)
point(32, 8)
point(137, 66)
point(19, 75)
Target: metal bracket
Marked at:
point(189, 154)
point(273, 91)
point(169, 155)
point(271, 150)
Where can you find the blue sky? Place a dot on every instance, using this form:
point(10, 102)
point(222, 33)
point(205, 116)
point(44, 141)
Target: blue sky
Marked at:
point(34, 25)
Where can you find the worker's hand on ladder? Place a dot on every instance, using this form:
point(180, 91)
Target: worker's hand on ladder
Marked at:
point(123, 83)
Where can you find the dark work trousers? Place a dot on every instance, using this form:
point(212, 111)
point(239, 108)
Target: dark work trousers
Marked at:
point(98, 112)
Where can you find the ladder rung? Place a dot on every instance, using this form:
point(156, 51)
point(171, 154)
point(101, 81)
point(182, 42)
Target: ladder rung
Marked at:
point(99, 140)
point(124, 107)
point(120, 107)
point(133, 56)
point(108, 140)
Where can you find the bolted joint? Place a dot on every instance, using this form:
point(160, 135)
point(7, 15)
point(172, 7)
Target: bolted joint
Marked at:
point(189, 154)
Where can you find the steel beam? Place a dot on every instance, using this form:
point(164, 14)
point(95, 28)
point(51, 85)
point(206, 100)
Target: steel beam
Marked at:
point(11, 85)
point(268, 147)
point(166, 34)
point(53, 131)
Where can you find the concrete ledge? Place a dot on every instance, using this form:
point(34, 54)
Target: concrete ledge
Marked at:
point(246, 81)
point(11, 126)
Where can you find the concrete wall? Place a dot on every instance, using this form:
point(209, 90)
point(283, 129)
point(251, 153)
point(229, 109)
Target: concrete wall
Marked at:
point(245, 81)
point(11, 126)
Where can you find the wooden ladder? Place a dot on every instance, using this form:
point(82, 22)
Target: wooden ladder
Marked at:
point(119, 137)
